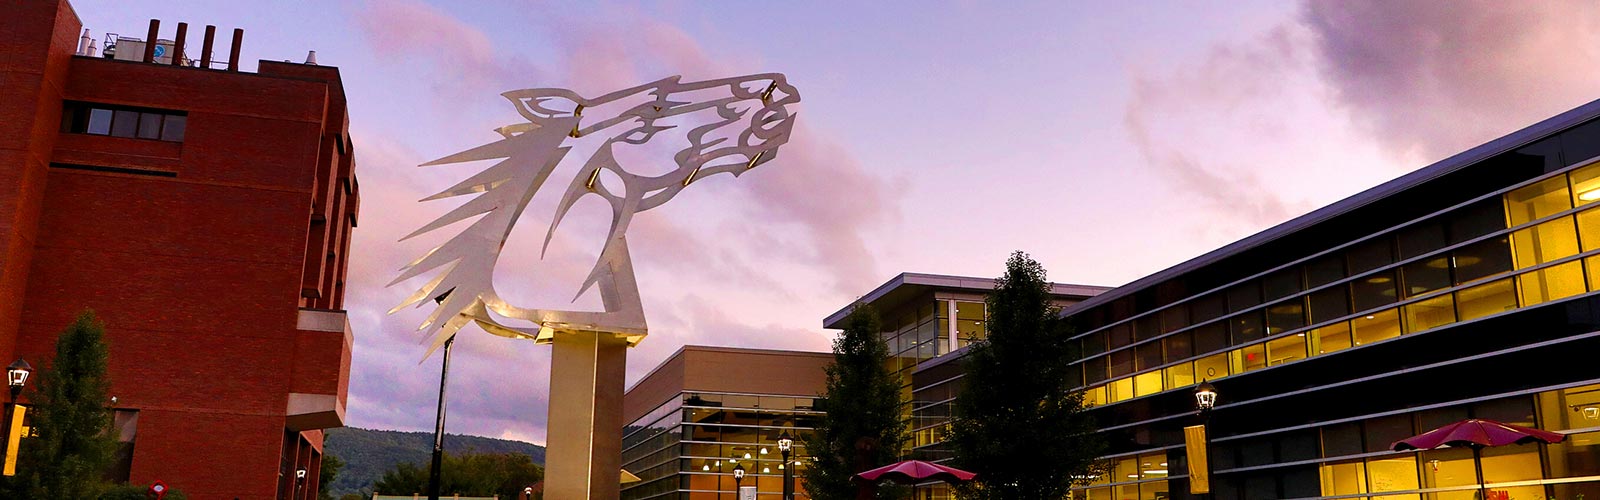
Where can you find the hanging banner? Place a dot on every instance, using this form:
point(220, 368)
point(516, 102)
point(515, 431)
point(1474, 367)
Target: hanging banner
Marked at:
point(13, 438)
point(1194, 441)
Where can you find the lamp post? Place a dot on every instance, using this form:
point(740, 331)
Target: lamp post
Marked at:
point(527, 493)
point(785, 444)
point(16, 376)
point(299, 482)
point(1205, 398)
point(438, 424)
point(738, 479)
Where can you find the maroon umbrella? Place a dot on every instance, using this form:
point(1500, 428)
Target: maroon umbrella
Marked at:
point(1477, 434)
point(913, 471)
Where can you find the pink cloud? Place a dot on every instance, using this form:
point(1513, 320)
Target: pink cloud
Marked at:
point(1431, 80)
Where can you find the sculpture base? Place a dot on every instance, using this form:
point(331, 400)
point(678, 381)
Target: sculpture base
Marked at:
point(583, 454)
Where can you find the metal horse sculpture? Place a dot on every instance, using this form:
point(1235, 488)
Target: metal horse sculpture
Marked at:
point(753, 108)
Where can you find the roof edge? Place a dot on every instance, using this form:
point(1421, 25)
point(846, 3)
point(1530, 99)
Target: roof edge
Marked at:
point(1522, 137)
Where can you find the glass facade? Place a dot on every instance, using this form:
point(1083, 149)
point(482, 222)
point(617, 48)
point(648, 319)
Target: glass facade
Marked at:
point(1531, 252)
point(687, 448)
point(1470, 294)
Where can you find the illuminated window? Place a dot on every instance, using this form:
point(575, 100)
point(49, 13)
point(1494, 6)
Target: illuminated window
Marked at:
point(1120, 389)
point(1431, 313)
point(1128, 491)
point(1589, 228)
point(1248, 358)
point(1179, 375)
point(1153, 490)
point(1577, 456)
point(1593, 266)
point(1397, 473)
point(1344, 479)
point(1486, 299)
point(1095, 396)
point(1449, 467)
point(1212, 367)
point(1284, 350)
point(1551, 283)
point(1147, 383)
point(1376, 326)
point(1334, 337)
point(1537, 200)
point(1127, 469)
point(1585, 184)
point(1545, 242)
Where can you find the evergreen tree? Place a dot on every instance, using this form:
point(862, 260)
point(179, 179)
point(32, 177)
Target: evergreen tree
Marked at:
point(466, 474)
point(861, 426)
point(1017, 422)
point(72, 447)
point(329, 471)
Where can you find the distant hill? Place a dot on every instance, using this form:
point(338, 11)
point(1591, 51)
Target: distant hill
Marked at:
point(369, 453)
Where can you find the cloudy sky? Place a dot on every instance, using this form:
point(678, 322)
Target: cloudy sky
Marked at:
point(1108, 139)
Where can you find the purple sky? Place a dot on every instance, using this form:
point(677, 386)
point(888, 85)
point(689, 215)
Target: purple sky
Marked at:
point(1108, 139)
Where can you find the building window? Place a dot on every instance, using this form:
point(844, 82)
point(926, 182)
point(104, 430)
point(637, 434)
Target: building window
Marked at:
point(1537, 200)
point(123, 121)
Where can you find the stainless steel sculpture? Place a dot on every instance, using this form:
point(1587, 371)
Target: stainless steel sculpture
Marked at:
point(747, 120)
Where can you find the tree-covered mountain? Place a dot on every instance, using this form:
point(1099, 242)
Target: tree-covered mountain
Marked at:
point(368, 453)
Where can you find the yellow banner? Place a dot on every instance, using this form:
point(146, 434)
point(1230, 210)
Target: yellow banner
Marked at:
point(13, 438)
point(1194, 441)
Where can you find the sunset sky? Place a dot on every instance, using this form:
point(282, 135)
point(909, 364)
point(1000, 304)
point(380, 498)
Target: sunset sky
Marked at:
point(1108, 139)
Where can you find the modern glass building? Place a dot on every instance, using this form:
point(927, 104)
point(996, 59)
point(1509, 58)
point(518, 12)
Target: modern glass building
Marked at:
point(706, 410)
point(1466, 289)
point(926, 317)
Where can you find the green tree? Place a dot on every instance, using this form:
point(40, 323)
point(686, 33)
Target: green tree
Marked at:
point(73, 447)
point(330, 470)
point(861, 427)
point(466, 474)
point(1017, 422)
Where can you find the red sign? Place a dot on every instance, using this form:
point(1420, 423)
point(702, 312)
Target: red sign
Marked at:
point(158, 489)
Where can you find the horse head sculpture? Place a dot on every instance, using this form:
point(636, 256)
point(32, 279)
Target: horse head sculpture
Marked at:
point(745, 120)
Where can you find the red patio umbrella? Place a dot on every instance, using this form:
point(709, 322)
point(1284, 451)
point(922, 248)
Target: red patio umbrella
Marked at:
point(1477, 434)
point(912, 471)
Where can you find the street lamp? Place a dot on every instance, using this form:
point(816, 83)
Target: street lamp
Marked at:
point(527, 493)
point(785, 444)
point(1205, 396)
point(17, 376)
point(738, 478)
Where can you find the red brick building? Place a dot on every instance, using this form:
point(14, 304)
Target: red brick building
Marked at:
point(205, 215)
